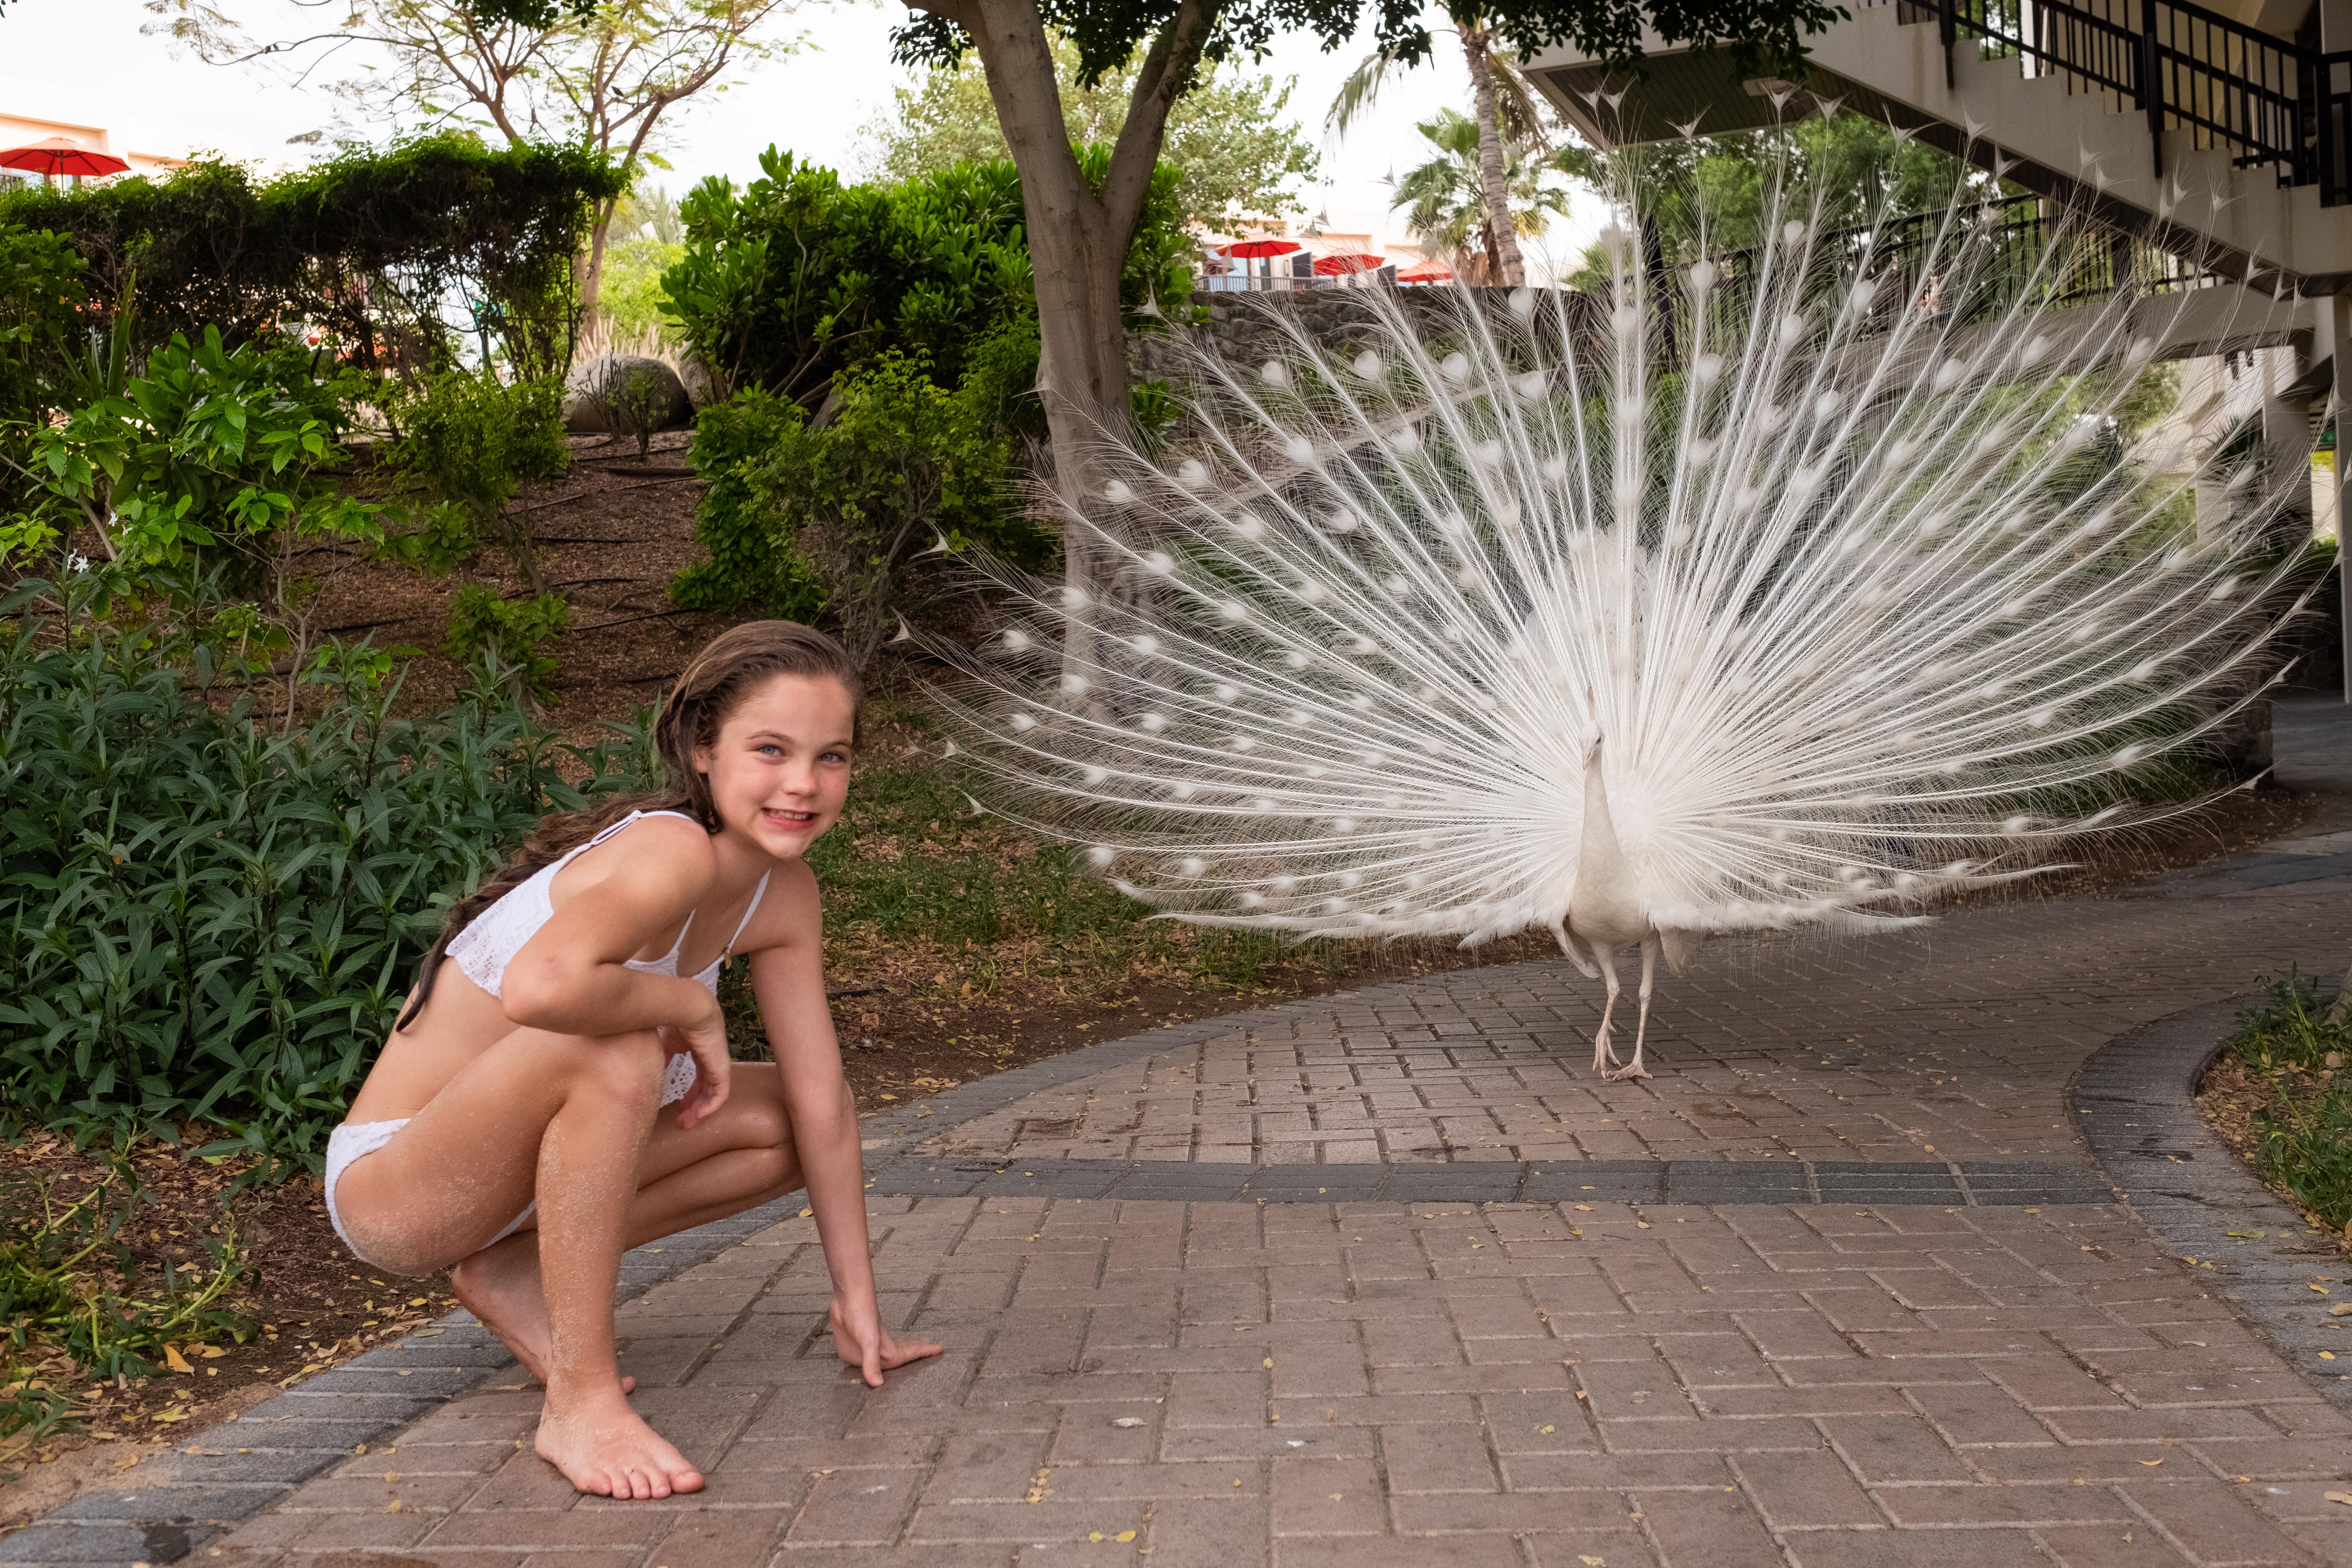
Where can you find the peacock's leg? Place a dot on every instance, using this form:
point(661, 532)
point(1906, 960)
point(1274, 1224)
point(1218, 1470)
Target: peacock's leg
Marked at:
point(1603, 1058)
point(1649, 973)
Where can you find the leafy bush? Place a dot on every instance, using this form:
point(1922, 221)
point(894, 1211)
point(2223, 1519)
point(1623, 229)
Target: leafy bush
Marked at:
point(747, 570)
point(2306, 1135)
point(505, 636)
point(902, 463)
point(42, 300)
point(468, 441)
point(205, 460)
point(826, 516)
point(368, 249)
point(201, 922)
point(787, 282)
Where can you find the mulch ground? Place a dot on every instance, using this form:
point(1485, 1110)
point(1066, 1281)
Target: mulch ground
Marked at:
point(312, 1304)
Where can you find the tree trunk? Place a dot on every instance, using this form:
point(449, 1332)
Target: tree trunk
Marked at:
point(1077, 244)
point(592, 269)
point(1476, 42)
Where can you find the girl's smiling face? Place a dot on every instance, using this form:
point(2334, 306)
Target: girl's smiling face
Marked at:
point(779, 771)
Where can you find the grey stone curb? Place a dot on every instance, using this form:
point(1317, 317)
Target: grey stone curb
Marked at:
point(2136, 1101)
point(1710, 1181)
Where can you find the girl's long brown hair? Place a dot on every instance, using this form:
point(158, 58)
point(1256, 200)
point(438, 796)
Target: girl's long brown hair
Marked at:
point(729, 667)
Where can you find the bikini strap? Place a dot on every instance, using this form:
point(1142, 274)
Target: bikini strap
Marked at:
point(749, 911)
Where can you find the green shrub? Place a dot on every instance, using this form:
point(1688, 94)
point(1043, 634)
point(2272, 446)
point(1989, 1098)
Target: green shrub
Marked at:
point(372, 251)
point(198, 475)
point(2306, 1136)
point(797, 276)
point(902, 463)
point(468, 442)
point(201, 920)
point(829, 515)
point(748, 570)
point(505, 637)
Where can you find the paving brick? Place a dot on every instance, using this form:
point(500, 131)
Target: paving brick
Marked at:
point(1324, 1497)
point(1806, 1490)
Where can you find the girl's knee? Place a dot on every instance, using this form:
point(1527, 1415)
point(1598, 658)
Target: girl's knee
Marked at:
point(626, 1067)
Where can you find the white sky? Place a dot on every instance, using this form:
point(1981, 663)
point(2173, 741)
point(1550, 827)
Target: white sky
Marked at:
point(812, 102)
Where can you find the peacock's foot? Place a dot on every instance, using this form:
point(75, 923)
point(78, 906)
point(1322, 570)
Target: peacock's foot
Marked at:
point(1603, 1058)
point(1630, 1069)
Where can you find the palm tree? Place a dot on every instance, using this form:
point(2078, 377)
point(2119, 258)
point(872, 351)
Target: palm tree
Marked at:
point(1508, 121)
point(1448, 200)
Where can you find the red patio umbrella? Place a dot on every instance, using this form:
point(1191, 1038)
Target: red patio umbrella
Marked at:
point(1431, 271)
point(59, 156)
point(1341, 264)
point(1252, 247)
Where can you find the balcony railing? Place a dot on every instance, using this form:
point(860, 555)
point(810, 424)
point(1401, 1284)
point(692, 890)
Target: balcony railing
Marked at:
point(2267, 101)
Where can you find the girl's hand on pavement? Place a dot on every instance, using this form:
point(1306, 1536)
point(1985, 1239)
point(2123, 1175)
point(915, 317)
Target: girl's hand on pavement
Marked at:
point(861, 1341)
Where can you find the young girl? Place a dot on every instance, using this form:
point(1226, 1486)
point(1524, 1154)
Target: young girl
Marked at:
point(518, 1124)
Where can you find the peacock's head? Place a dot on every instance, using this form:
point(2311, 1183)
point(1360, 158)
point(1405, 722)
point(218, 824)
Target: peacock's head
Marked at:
point(1592, 752)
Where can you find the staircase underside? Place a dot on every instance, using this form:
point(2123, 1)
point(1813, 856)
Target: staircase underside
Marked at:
point(2073, 147)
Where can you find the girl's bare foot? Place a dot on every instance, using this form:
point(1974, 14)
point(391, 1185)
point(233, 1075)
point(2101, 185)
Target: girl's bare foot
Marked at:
point(500, 1285)
point(604, 1447)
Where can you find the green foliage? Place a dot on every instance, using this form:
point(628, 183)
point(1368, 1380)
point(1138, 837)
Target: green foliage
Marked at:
point(71, 1290)
point(203, 922)
point(1855, 162)
point(790, 281)
point(468, 441)
point(808, 517)
point(203, 466)
point(367, 250)
point(1444, 199)
point(2306, 1136)
point(629, 297)
point(746, 571)
point(908, 862)
point(1763, 37)
point(799, 275)
point(42, 299)
point(505, 636)
point(1231, 137)
point(903, 462)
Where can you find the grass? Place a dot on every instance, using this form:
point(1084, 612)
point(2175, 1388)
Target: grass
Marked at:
point(2303, 1135)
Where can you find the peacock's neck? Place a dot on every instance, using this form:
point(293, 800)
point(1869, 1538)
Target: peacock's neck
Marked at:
point(1606, 902)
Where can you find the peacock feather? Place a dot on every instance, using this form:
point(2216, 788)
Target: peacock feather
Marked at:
point(1800, 587)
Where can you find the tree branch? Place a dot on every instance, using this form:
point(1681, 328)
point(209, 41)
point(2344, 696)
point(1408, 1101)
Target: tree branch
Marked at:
point(1165, 72)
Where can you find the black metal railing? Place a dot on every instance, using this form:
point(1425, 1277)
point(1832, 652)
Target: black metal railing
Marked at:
point(2003, 252)
point(2268, 101)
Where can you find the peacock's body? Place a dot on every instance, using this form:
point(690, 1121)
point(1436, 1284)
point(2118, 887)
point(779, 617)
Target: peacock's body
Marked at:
point(1797, 589)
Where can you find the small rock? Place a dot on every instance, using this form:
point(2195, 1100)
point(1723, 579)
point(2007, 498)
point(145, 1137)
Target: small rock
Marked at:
point(599, 393)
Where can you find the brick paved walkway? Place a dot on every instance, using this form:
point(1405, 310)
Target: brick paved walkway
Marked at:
point(1299, 1377)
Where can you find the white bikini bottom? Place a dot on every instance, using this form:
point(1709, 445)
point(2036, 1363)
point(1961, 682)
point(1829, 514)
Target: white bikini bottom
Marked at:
point(356, 1140)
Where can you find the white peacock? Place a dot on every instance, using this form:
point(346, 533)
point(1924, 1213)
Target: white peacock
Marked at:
point(1801, 589)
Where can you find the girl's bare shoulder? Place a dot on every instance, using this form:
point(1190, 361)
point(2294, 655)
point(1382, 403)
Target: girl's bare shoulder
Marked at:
point(659, 854)
point(790, 912)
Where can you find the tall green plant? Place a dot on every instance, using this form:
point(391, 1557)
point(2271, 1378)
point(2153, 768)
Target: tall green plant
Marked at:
point(205, 922)
point(468, 442)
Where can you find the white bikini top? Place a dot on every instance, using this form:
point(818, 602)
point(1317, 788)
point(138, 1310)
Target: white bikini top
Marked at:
point(484, 949)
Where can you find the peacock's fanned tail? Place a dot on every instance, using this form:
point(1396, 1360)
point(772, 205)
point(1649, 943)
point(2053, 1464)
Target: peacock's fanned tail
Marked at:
point(1859, 595)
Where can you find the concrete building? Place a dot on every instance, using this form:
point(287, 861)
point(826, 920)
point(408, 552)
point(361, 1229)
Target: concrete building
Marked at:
point(35, 111)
